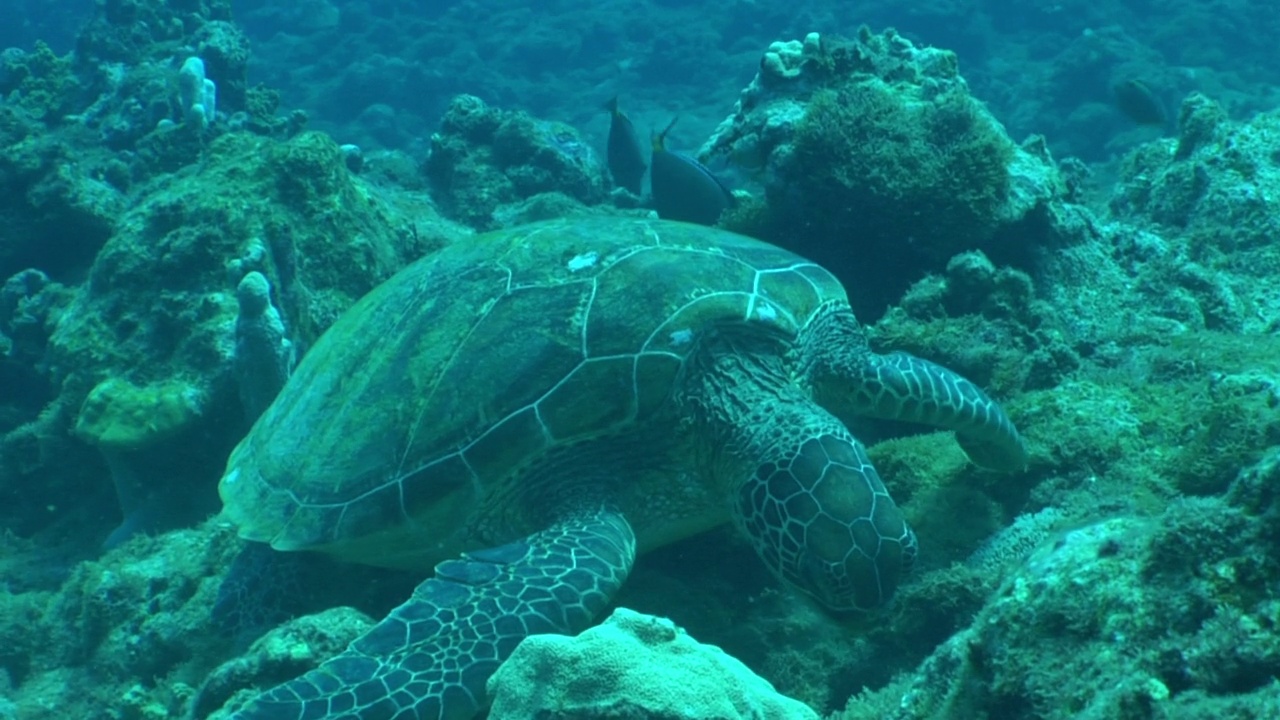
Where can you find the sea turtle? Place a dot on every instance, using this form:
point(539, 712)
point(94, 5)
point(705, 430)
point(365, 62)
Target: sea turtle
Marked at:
point(545, 402)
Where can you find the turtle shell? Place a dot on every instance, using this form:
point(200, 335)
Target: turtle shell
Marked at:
point(461, 371)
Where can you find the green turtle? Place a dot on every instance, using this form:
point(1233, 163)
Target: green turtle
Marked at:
point(529, 409)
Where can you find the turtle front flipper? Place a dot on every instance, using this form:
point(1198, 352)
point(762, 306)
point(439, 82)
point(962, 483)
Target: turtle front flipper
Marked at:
point(898, 386)
point(851, 380)
point(433, 655)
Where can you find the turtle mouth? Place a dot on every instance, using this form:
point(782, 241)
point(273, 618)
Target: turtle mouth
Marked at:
point(863, 580)
point(828, 583)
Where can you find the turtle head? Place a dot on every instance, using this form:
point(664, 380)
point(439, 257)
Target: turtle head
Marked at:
point(820, 518)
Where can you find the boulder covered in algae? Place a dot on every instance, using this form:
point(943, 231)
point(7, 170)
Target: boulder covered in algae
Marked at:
point(877, 162)
point(633, 666)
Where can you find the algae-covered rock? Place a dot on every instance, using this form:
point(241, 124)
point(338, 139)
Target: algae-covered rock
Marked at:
point(878, 163)
point(887, 161)
point(57, 213)
point(160, 303)
point(1212, 197)
point(264, 353)
point(120, 416)
point(132, 425)
point(484, 160)
point(632, 666)
point(160, 297)
point(105, 643)
point(1124, 617)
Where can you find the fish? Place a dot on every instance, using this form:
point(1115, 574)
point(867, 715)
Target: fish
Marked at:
point(1139, 103)
point(684, 189)
point(625, 154)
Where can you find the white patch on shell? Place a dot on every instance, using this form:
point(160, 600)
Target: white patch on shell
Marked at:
point(231, 477)
point(682, 337)
point(582, 261)
point(765, 311)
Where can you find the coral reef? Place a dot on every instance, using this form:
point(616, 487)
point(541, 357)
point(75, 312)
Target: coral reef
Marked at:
point(160, 303)
point(1043, 67)
point(1173, 609)
point(1217, 187)
point(264, 354)
point(162, 269)
point(130, 425)
point(483, 161)
point(163, 255)
point(879, 144)
point(632, 666)
point(135, 615)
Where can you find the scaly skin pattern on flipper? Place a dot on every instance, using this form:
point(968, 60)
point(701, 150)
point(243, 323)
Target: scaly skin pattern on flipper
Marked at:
point(852, 381)
point(898, 386)
point(431, 657)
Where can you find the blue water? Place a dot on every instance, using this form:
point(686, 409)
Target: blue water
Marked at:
point(1074, 205)
point(1044, 68)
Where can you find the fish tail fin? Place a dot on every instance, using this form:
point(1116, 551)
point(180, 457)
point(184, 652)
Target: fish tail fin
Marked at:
point(660, 139)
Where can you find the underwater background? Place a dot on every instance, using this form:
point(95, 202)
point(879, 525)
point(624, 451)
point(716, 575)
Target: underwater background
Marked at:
point(1076, 205)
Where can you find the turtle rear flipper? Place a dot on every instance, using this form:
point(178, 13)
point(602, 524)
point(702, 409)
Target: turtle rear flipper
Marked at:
point(433, 655)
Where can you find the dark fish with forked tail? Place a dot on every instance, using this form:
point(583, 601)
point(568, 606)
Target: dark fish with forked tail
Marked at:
point(683, 189)
point(625, 154)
